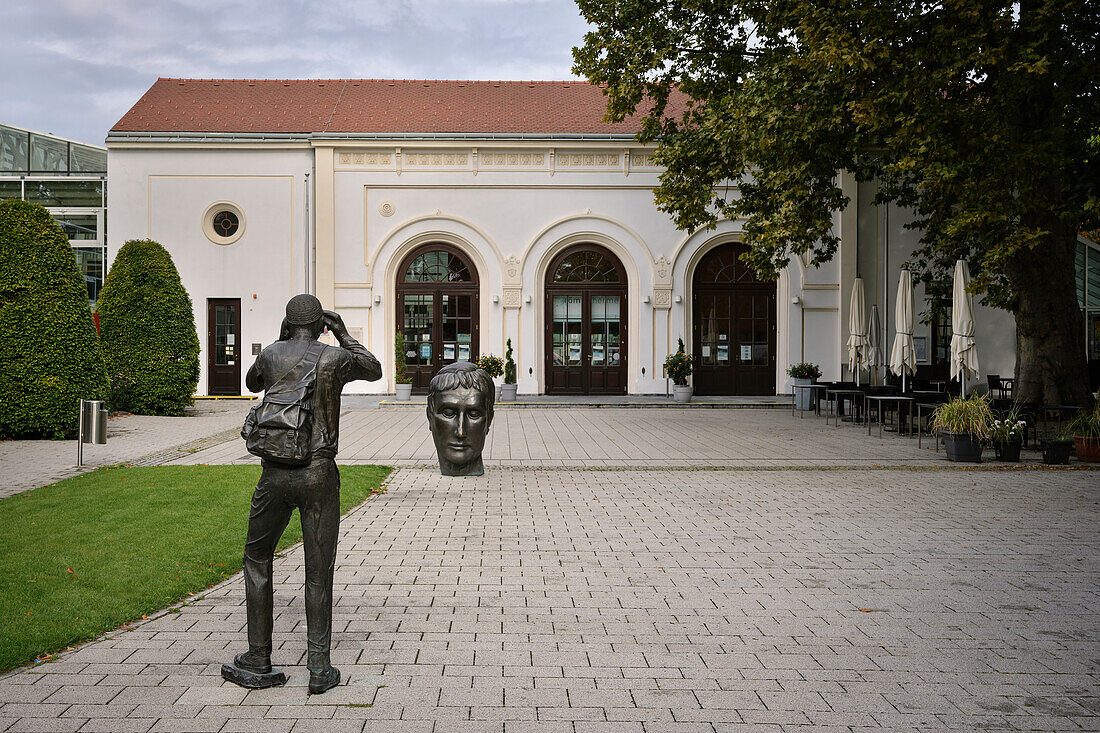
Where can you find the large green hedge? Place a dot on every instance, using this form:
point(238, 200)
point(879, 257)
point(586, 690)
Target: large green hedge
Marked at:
point(148, 332)
point(49, 355)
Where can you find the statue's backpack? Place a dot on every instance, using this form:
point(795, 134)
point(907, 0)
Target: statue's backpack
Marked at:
point(280, 428)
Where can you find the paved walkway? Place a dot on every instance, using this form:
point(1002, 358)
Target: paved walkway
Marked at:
point(646, 602)
point(617, 437)
point(27, 464)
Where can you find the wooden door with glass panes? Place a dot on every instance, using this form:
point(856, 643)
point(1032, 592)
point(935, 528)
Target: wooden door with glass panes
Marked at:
point(586, 323)
point(223, 350)
point(733, 330)
point(437, 311)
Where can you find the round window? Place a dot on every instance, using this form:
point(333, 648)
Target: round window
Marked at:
point(223, 223)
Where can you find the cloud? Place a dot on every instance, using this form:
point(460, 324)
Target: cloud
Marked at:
point(76, 66)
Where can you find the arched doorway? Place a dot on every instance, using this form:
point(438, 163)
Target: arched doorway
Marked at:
point(733, 316)
point(586, 322)
point(437, 310)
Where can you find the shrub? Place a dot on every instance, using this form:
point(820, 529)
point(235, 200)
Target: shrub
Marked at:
point(148, 332)
point(804, 370)
point(509, 365)
point(400, 371)
point(492, 365)
point(51, 358)
point(678, 366)
point(1086, 424)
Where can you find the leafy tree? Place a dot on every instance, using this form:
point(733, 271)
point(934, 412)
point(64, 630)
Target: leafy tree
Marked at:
point(981, 117)
point(51, 357)
point(148, 331)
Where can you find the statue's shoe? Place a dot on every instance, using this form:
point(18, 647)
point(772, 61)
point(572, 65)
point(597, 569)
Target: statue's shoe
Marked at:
point(253, 671)
point(323, 679)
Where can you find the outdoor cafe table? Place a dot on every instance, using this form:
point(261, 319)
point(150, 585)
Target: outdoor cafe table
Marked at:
point(882, 400)
point(838, 396)
point(815, 395)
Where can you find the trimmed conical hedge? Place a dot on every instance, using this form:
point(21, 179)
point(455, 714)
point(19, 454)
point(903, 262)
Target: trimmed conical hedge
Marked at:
point(148, 332)
point(49, 354)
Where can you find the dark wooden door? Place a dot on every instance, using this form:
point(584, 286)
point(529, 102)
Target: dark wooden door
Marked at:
point(586, 329)
point(437, 310)
point(223, 325)
point(734, 327)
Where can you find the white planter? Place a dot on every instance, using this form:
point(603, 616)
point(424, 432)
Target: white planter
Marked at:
point(404, 392)
point(508, 393)
point(681, 394)
point(499, 386)
point(802, 397)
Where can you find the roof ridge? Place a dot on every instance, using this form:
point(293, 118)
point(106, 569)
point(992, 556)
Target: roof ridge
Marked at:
point(382, 80)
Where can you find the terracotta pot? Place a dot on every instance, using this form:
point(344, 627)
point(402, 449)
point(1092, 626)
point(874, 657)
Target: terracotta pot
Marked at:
point(962, 447)
point(1087, 448)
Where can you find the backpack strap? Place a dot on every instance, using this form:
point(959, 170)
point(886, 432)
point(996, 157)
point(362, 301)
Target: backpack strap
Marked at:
point(309, 359)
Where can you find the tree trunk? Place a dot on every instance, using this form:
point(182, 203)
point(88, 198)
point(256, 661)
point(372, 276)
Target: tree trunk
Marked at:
point(1051, 365)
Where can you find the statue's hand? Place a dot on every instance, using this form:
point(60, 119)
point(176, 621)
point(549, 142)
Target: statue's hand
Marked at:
point(335, 323)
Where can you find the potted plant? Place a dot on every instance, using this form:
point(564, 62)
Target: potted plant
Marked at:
point(1086, 434)
point(803, 373)
point(402, 383)
point(508, 391)
point(494, 366)
point(1056, 450)
point(678, 368)
point(964, 426)
point(1007, 435)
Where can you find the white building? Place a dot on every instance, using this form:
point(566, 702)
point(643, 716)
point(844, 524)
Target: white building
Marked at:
point(466, 214)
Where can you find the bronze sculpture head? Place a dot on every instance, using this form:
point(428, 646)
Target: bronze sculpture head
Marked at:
point(460, 410)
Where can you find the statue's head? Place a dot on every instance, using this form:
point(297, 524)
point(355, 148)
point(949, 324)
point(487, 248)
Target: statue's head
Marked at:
point(304, 313)
point(460, 410)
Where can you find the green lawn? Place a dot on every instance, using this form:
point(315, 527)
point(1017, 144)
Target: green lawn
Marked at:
point(86, 555)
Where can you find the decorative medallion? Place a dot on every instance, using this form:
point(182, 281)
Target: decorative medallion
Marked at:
point(386, 208)
point(511, 267)
point(511, 297)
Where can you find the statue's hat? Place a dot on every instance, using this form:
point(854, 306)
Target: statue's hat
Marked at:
point(304, 309)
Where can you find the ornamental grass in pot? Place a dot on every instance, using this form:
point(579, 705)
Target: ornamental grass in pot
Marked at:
point(1085, 429)
point(964, 425)
point(803, 373)
point(1007, 434)
point(678, 366)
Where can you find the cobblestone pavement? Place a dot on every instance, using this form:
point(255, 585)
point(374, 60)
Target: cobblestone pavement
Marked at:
point(602, 437)
point(675, 601)
point(26, 464)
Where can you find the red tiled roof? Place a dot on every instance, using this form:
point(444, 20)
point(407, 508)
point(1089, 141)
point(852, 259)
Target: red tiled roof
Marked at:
point(372, 106)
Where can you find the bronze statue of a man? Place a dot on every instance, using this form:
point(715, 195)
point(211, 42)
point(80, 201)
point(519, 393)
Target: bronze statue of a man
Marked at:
point(460, 410)
point(302, 379)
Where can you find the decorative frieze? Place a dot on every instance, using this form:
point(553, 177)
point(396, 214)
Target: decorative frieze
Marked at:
point(511, 297)
point(588, 160)
point(662, 298)
point(512, 160)
point(436, 159)
point(366, 159)
point(642, 160)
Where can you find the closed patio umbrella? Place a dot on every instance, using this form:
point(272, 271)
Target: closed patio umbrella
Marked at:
point(903, 354)
point(857, 328)
point(964, 354)
point(874, 342)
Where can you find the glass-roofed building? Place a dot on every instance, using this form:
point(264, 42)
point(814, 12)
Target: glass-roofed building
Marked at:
point(68, 178)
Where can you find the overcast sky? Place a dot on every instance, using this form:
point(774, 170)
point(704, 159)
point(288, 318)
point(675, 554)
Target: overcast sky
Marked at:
point(73, 67)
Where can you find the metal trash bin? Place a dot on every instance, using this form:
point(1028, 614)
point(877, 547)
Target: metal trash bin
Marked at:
point(94, 416)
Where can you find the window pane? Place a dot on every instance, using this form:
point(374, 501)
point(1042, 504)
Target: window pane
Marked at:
point(9, 190)
point(65, 193)
point(89, 260)
point(49, 155)
point(84, 159)
point(14, 146)
point(82, 227)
